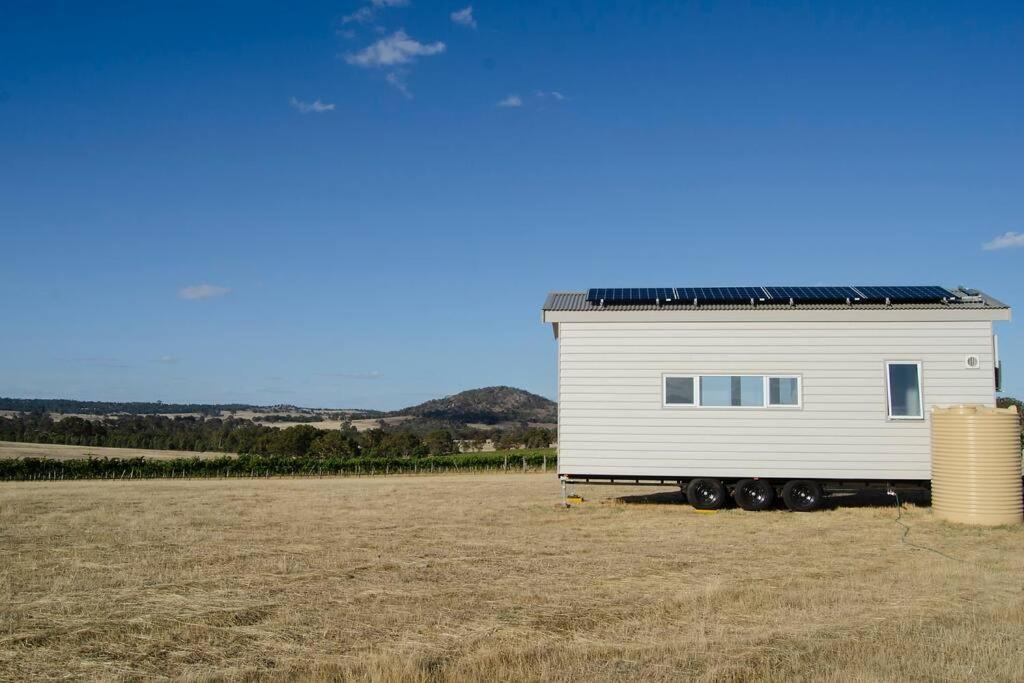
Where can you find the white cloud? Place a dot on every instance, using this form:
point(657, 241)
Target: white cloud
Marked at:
point(193, 292)
point(1005, 241)
point(464, 17)
point(396, 79)
point(554, 94)
point(398, 48)
point(316, 106)
point(167, 360)
point(363, 15)
point(511, 101)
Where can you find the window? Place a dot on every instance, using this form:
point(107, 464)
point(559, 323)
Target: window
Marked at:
point(679, 391)
point(732, 391)
point(783, 391)
point(904, 389)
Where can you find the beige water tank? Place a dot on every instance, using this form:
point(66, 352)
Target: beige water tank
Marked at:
point(976, 465)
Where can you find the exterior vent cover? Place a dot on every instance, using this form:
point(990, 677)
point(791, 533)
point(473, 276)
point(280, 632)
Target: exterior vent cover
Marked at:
point(972, 362)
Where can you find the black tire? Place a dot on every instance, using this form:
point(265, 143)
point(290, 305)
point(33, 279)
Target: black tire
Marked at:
point(802, 495)
point(754, 494)
point(705, 494)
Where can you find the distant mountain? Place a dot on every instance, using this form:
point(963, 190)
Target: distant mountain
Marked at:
point(72, 407)
point(490, 405)
point(63, 405)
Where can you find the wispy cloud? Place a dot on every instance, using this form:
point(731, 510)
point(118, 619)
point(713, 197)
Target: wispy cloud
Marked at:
point(167, 360)
point(316, 106)
point(1007, 240)
point(511, 101)
point(363, 15)
point(464, 17)
point(193, 292)
point(396, 79)
point(553, 94)
point(398, 48)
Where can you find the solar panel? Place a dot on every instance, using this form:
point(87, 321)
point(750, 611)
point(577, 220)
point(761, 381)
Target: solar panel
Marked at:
point(906, 295)
point(720, 295)
point(703, 296)
point(813, 295)
point(635, 295)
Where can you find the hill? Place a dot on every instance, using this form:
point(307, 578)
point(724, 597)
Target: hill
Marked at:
point(489, 406)
point(63, 405)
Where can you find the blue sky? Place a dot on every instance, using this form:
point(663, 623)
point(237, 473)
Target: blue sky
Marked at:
point(328, 204)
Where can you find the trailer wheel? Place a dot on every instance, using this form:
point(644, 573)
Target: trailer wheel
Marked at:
point(802, 495)
point(705, 494)
point(754, 494)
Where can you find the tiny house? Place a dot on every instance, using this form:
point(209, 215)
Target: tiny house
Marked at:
point(759, 392)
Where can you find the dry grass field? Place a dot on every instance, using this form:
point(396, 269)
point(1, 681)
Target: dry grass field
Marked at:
point(9, 449)
point(484, 577)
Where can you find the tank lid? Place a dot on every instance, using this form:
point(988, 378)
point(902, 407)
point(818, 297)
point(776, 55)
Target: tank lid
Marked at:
point(975, 410)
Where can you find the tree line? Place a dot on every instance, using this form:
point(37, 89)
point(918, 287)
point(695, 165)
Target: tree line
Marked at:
point(35, 469)
point(234, 435)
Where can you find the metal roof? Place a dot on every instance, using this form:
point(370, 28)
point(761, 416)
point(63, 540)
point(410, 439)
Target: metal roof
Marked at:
point(577, 301)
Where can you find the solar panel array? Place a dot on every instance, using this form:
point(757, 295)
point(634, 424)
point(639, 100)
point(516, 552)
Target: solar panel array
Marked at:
point(916, 294)
point(720, 295)
point(812, 295)
point(698, 296)
point(640, 295)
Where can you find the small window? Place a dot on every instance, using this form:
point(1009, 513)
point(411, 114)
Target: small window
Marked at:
point(679, 391)
point(904, 385)
point(732, 390)
point(783, 391)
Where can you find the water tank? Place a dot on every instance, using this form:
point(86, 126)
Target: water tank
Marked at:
point(976, 465)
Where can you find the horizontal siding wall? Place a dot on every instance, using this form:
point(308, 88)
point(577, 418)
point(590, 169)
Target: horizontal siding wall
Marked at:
point(611, 418)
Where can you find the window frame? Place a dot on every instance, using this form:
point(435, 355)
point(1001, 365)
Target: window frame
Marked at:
point(766, 398)
point(799, 392)
point(920, 390)
point(664, 391)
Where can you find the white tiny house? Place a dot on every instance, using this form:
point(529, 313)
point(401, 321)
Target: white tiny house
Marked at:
point(764, 390)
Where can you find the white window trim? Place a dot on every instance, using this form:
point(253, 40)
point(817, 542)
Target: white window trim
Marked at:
point(765, 405)
point(888, 391)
